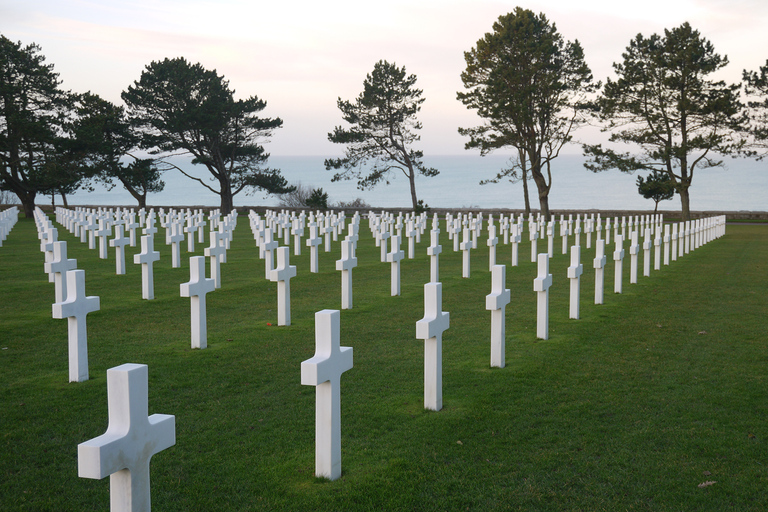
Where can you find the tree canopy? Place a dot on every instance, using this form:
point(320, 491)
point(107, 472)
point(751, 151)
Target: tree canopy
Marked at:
point(383, 130)
point(529, 86)
point(185, 108)
point(33, 116)
point(756, 88)
point(656, 186)
point(664, 104)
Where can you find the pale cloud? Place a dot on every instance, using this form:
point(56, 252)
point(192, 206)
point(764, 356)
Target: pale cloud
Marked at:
point(301, 56)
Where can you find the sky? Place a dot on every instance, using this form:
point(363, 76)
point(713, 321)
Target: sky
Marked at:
point(301, 55)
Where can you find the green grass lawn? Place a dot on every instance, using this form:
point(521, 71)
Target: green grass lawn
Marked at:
point(662, 388)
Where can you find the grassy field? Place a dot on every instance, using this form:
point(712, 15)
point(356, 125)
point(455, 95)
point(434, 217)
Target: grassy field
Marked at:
point(632, 407)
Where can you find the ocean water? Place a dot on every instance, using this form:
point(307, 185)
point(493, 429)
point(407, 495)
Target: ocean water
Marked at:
point(741, 186)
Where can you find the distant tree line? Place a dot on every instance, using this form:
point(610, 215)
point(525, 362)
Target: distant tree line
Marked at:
point(531, 89)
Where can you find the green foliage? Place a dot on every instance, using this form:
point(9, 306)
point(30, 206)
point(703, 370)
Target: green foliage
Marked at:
point(529, 86)
point(664, 104)
point(317, 199)
point(756, 88)
point(384, 124)
point(107, 138)
point(656, 186)
point(184, 107)
point(33, 115)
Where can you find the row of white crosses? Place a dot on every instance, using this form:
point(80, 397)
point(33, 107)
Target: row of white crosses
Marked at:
point(70, 301)
point(8, 218)
point(323, 371)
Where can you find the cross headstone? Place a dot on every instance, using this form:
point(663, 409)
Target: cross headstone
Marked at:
point(647, 244)
point(541, 286)
point(515, 240)
point(410, 233)
point(75, 309)
point(383, 236)
point(312, 242)
point(214, 252)
point(196, 289)
point(430, 329)
point(574, 274)
point(59, 266)
point(270, 244)
point(434, 250)
point(176, 237)
point(119, 243)
point(347, 262)
point(324, 372)
point(123, 452)
point(599, 265)
point(634, 250)
point(497, 302)
point(493, 240)
point(666, 244)
point(533, 237)
point(394, 257)
point(618, 258)
point(147, 257)
point(282, 275)
point(104, 231)
point(466, 247)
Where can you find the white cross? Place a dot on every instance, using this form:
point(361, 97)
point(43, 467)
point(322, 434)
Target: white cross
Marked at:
point(49, 237)
point(394, 258)
point(347, 262)
point(146, 258)
point(190, 230)
point(269, 252)
point(312, 242)
point(434, 251)
point(491, 243)
point(574, 274)
point(634, 251)
point(176, 237)
point(324, 372)
point(91, 227)
point(383, 237)
point(59, 266)
point(647, 244)
point(119, 243)
point(430, 329)
point(541, 286)
point(410, 232)
point(215, 251)
point(75, 309)
point(551, 238)
point(497, 302)
point(297, 231)
point(123, 452)
point(465, 246)
point(667, 239)
point(150, 229)
point(618, 258)
point(533, 237)
point(282, 275)
point(196, 289)
point(599, 265)
point(515, 240)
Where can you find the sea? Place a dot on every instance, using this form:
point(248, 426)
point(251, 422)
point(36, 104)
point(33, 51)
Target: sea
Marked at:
point(742, 185)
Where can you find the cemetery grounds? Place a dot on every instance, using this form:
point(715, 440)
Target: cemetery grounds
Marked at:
point(656, 400)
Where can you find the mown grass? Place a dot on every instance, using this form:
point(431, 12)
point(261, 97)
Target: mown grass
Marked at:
point(631, 407)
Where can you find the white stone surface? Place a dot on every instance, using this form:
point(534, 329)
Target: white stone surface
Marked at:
point(283, 275)
point(618, 258)
point(119, 243)
point(75, 309)
point(430, 329)
point(574, 275)
point(124, 451)
point(324, 372)
point(146, 258)
point(497, 302)
point(434, 250)
point(394, 257)
point(196, 289)
point(59, 266)
point(347, 262)
point(599, 265)
point(541, 285)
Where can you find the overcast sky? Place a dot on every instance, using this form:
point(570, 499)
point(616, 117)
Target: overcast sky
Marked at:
point(300, 56)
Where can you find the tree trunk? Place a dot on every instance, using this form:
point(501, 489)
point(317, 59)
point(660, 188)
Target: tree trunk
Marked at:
point(64, 200)
point(685, 202)
point(227, 201)
point(27, 202)
point(525, 192)
point(412, 180)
